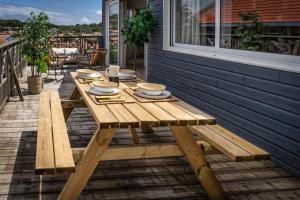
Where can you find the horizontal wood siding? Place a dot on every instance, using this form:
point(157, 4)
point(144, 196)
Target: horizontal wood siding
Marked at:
point(262, 105)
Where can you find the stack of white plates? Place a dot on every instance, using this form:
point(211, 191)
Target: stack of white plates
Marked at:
point(126, 74)
point(88, 74)
point(104, 88)
point(152, 91)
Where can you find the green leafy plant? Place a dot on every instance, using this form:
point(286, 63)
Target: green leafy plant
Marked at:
point(250, 31)
point(136, 29)
point(34, 38)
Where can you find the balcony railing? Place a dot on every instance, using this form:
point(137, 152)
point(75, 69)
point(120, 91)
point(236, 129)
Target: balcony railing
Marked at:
point(11, 49)
point(82, 43)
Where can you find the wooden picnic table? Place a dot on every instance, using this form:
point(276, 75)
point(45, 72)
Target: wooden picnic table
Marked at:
point(178, 115)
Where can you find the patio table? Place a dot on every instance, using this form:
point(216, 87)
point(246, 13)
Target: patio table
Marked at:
point(178, 115)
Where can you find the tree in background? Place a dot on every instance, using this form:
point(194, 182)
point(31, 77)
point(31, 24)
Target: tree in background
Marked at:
point(136, 29)
point(250, 31)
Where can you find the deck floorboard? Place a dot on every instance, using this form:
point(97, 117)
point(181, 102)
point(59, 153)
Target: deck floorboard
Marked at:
point(159, 178)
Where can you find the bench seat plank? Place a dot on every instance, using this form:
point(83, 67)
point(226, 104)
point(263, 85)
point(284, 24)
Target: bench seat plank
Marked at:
point(53, 152)
point(233, 146)
point(62, 148)
point(228, 148)
point(44, 148)
point(257, 153)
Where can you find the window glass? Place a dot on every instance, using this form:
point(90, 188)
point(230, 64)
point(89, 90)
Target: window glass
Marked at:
point(195, 22)
point(261, 25)
point(113, 24)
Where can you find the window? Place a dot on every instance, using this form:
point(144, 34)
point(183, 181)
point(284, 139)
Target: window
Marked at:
point(192, 25)
point(259, 29)
point(261, 25)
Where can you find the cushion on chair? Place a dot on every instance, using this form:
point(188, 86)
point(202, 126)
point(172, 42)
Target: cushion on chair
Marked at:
point(71, 51)
point(59, 51)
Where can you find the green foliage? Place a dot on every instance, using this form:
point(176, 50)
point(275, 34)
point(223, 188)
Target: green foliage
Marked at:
point(34, 37)
point(14, 24)
point(250, 31)
point(137, 28)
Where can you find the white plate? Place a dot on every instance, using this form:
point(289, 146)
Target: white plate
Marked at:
point(151, 92)
point(94, 75)
point(127, 76)
point(95, 91)
point(163, 95)
point(105, 90)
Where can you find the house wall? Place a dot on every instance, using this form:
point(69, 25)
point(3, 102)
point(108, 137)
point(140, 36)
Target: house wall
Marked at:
point(259, 104)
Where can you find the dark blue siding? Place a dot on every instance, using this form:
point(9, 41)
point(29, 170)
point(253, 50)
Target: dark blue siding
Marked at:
point(261, 105)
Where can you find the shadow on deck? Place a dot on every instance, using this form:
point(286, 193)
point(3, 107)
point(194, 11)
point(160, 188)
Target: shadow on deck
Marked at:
point(161, 178)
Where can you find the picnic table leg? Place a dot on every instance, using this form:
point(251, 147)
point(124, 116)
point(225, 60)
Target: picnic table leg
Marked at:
point(74, 96)
point(87, 164)
point(196, 158)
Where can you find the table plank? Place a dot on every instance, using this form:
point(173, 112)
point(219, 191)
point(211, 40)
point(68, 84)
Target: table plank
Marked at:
point(142, 115)
point(182, 117)
point(202, 117)
point(164, 117)
point(103, 116)
point(125, 118)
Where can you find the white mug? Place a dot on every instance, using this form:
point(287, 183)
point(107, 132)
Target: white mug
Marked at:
point(113, 71)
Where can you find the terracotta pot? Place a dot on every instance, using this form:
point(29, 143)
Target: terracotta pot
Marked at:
point(35, 84)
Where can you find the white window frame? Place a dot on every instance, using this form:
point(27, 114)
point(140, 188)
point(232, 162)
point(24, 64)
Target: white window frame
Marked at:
point(262, 59)
point(108, 3)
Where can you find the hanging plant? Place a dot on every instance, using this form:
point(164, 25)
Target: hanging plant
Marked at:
point(136, 29)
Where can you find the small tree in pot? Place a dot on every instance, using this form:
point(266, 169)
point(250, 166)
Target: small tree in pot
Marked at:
point(34, 38)
point(136, 29)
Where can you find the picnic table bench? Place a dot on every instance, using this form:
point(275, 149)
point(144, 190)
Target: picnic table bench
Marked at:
point(54, 153)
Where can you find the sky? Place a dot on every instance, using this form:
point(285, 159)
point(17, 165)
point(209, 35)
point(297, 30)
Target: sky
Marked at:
point(60, 12)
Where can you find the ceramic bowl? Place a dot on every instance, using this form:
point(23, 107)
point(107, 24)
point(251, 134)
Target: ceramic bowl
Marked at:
point(108, 87)
point(87, 73)
point(151, 88)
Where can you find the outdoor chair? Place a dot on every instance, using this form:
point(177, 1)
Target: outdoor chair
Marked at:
point(95, 58)
point(55, 62)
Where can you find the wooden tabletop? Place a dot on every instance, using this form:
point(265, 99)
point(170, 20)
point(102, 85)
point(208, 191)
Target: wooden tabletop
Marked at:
point(134, 115)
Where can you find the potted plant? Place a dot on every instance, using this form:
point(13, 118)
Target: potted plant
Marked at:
point(136, 29)
point(34, 38)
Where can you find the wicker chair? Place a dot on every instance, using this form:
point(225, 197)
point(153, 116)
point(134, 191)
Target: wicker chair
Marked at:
point(55, 62)
point(95, 58)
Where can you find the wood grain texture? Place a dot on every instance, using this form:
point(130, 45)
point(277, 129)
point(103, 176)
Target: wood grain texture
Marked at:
point(196, 158)
point(256, 152)
point(232, 148)
point(44, 150)
point(125, 118)
point(61, 144)
point(183, 117)
point(143, 151)
point(163, 117)
point(141, 114)
point(87, 164)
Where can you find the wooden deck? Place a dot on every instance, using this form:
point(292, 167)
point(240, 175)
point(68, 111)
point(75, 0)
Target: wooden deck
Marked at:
point(167, 178)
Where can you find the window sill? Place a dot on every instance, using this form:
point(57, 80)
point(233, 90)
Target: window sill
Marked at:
point(259, 62)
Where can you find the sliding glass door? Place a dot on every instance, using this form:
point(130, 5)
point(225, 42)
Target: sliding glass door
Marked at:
point(113, 17)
